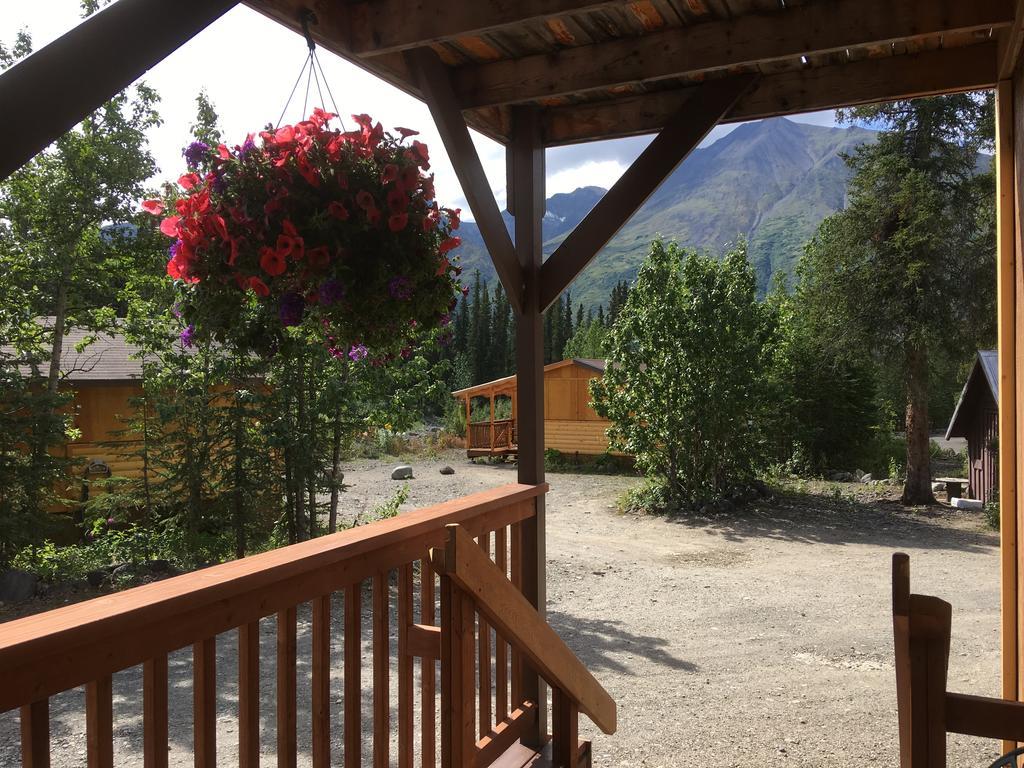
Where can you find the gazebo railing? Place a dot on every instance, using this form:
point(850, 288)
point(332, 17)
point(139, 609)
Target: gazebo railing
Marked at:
point(86, 643)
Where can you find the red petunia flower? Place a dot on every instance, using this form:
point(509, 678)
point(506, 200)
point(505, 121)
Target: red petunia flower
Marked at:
point(337, 210)
point(272, 262)
point(398, 221)
point(389, 174)
point(450, 244)
point(188, 181)
point(169, 226)
point(258, 286)
point(406, 132)
point(223, 151)
point(410, 177)
point(318, 257)
point(373, 216)
point(397, 201)
point(420, 154)
point(365, 200)
point(154, 207)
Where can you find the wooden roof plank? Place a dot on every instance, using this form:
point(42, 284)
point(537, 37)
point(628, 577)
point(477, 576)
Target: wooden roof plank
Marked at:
point(859, 82)
point(387, 26)
point(821, 27)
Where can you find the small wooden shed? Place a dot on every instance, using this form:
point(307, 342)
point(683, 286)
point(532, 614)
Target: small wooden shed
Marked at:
point(571, 425)
point(976, 418)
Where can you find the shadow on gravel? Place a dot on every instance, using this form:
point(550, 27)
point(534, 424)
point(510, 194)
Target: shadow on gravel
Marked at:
point(603, 644)
point(816, 518)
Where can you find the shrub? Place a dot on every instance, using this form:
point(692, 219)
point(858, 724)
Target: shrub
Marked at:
point(992, 511)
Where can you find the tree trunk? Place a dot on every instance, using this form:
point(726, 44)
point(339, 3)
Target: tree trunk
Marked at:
point(918, 486)
point(60, 315)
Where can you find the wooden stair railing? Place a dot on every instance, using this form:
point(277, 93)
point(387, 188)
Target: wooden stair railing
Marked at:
point(366, 577)
point(472, 584)
point(927, 711)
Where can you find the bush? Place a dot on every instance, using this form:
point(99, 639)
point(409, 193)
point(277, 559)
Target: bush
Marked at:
point(651, 497)
point(992, 511)
point(685, 386)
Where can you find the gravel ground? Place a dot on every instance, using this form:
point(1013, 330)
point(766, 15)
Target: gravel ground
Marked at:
point(761, 638)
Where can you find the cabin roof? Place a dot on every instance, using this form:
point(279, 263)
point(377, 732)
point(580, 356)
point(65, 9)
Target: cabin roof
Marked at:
point(984, 373)
point(599, 69)
point(508, 383)
point(108, 359)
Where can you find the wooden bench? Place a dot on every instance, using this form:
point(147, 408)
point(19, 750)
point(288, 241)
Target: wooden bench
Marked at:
point(954, 485)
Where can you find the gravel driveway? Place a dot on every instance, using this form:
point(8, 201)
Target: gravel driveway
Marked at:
point(763, 638)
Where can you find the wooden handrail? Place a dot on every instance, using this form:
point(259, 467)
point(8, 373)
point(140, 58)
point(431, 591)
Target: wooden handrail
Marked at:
point(511, 614)
point(47, 653)
point(985, 717)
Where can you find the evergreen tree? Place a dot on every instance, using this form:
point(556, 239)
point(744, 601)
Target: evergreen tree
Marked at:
point(918, 230)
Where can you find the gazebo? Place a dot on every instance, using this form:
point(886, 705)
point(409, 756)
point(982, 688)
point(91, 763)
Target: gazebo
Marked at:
point(530, 74)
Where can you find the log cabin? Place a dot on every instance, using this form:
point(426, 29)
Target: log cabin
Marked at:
point(571, 425)
point(976, 418)
point(530, 75)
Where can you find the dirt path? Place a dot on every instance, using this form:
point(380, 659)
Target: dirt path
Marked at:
point(763, 638)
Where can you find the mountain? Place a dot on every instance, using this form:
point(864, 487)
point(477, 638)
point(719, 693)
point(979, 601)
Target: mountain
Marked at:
point(771, 182)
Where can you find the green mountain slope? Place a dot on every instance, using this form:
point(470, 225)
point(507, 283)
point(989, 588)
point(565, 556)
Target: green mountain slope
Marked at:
point(771, 182)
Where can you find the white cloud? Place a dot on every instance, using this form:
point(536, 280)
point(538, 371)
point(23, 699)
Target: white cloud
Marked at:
point(592, 173)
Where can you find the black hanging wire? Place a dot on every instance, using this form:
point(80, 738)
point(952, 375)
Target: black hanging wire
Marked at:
point(310, 69)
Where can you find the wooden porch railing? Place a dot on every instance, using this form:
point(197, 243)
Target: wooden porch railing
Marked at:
point(85, 644)
point(474, 589)
point(927, 711)
point(494, 435)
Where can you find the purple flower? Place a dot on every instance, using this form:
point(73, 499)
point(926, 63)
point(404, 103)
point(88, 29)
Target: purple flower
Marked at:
point(174, 248)
point(248, 146)
point(176, 310)
point(331, 292)
point(219, 184)
point(400, 288)
point(187, 336)
point(291, 309)
point(357, 352)
point(444, 319)
point(196, 153)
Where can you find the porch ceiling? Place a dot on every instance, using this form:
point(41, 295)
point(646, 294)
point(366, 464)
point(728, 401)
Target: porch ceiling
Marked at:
point(611, 68)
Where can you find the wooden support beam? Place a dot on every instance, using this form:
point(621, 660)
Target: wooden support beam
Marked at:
point(1011, 40)
point(871, 80)
point(687, 128)
point(60, 84)
point(385, 26)
point(528, 174)
point(435, 83)
point(1006, 266)
point(814, 28)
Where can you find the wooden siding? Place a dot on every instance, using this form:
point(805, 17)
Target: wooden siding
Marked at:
point(585, 437)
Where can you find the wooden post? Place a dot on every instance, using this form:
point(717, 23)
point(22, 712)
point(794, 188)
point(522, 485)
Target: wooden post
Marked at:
point(492, 420)
point(1005, 268)
point(469, 420)
point(528, 184)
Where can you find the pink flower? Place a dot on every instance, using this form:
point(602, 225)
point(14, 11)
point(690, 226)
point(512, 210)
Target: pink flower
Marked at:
point(154, 207)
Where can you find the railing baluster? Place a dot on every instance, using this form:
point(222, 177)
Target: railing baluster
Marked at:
point(484, 656)
point(287, 747)
point(322, 682)
point(564, 730)
point(154, 712)
point(35, 734)
point(458, 686)
point(428, 716)
point(381, 672)
point(99, 722)
point(353, 683)
point(204, 702)
point(249, 695)
point(500, 648)
point(517, 582)
point(405, 667)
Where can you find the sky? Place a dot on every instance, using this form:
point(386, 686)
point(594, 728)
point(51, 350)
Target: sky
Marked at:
point(248, 65)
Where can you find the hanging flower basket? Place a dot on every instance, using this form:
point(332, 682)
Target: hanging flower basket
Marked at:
point(336, 230)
